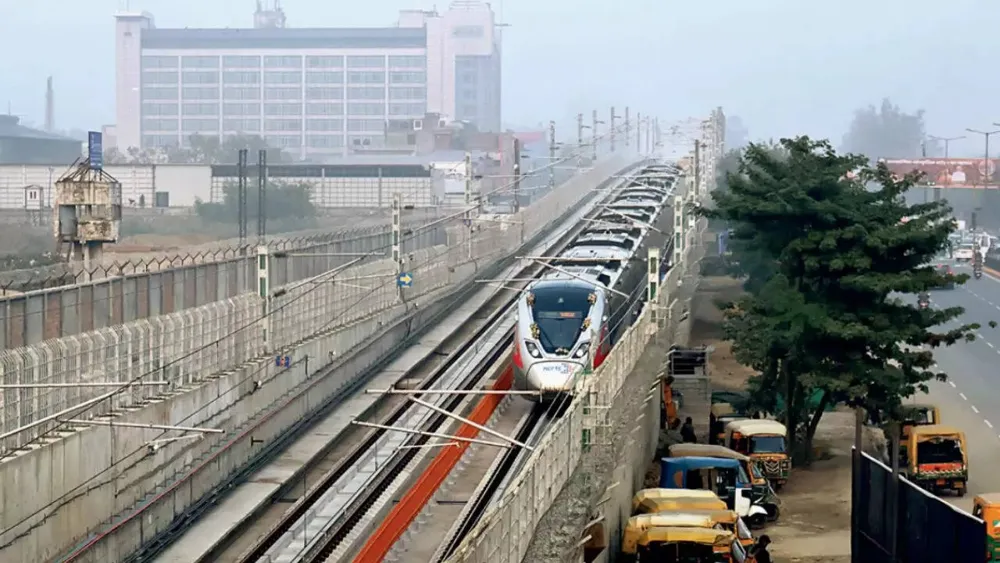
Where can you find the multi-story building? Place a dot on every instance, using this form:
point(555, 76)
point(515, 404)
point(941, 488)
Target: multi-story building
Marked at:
point(313, 92)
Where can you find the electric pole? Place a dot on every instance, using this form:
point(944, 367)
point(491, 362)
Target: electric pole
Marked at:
point(552, 154)
point(638, 132)
point(579, 140)
point(611, 131)
point(593, 138)
point(628, 133)
point(261, 199)
point(468, 199)
point(947, 142)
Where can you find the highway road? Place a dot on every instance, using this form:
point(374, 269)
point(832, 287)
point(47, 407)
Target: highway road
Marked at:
point(970, 399)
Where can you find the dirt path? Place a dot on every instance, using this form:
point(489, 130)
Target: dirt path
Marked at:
point(815, 515)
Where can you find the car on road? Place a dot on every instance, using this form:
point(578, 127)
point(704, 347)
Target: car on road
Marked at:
point(945, 270)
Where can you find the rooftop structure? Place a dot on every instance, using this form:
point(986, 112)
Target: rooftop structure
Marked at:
point(314, 92)
point(24, 145)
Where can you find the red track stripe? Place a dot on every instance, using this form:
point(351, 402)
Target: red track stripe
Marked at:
point(403, 514)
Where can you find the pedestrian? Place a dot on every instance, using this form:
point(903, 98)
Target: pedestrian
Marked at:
point(687, 431)
point(760, 552)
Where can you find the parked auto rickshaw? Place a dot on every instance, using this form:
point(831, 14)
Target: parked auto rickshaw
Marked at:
point(725, 477)
point(764, 442)
point(723, 519)
point(917, 415)
point(719, 416)
point(936, 458)
point(987, 507)
point(648, 501)
point(761, 491)
point(701, 545)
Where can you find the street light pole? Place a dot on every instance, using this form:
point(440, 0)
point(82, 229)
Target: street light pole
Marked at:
point(611, 129)
point(947, 143)
point(552, 154)
point(987, 175)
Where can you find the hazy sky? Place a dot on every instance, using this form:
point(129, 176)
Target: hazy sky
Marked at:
point(784, 66)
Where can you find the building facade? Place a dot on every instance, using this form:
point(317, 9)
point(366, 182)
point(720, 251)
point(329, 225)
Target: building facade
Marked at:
point(311, 92)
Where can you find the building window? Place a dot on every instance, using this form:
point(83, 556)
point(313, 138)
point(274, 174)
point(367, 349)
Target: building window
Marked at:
point(241, 93)
point(324, 109)
point(366, 108)
point(283, 61)
point(200, 77)
point(200, 109)
point(159, 93)
point(413, 109)
point(408, 61)
point(324, 125)
point(159, 61)
point(240, 109)
point(408, 77)
point(241, 61)
point(469, 78)
point(200, 61)
point(469, 95)
point(155, 109)
point(366, 61)
point(366, 93)
point(468, 31)
point(367, 141)
point(365, 125)
point(199, 93)
point(280, 109)
point(282, 124)
point(240, 77)
point(361, 77)
point(282, 77)
point(324, 141)
point(156, 141)
point(241, 125)
point(283, 93)
point(284, 141)
point(329, 77)
point(407, 93)
point(160, 77)
point(159, 124)
point(324, 93)
point(325, 61)
point(197, 125)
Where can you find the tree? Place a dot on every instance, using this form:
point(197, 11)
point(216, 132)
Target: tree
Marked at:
point(201, 149)
point(888, 132)
point(824, 252)
point(284, 201)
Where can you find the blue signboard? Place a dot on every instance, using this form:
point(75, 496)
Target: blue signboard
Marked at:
point(404, 280)
point(283, 361)
point(95, 150)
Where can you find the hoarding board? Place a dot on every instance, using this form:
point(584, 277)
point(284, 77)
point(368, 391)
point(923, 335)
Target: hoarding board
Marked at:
point(950, 172)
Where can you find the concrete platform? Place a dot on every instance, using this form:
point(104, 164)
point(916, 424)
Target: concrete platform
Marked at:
point(247, 498)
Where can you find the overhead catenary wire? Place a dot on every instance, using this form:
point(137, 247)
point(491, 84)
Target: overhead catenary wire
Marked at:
point(84, 407)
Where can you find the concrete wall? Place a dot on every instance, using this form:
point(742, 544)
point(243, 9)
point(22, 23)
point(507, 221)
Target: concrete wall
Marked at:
point(170, 286)
point(97, 472)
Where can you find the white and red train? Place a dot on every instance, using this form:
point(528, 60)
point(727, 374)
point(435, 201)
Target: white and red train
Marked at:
point(572, 316)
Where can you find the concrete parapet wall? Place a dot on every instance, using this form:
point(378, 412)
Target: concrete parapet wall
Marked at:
point(167, 285)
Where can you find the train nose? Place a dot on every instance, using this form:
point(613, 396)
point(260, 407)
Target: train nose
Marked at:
point(554, 376)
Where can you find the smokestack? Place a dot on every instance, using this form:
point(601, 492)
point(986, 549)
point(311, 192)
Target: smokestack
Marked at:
point(50, 117)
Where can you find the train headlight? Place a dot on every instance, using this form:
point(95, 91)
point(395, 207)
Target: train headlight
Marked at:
point(581, 351)
point(533, 350)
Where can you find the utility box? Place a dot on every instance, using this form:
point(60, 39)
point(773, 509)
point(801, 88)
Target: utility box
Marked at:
point(162, 199)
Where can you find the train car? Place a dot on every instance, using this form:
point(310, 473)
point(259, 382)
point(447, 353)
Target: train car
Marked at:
point(572, 316)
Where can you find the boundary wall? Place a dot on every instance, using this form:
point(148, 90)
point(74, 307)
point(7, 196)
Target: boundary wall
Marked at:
point(83, 479)
point(43, 314)
point(504, 534)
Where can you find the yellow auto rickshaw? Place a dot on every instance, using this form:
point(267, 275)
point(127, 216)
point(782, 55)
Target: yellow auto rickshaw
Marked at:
point(917, 415)
point(764, 442)
point(987, 508)
point(936, 458)
point(719, 416)
point(722, 519)
point(761, 489)
point(696, 544)
point(648, 501)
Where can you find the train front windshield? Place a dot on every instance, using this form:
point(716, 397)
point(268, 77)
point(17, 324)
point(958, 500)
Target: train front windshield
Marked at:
point(559, 313)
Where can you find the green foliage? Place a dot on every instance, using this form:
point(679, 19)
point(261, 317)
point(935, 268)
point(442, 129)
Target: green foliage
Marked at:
point(201, 149)
point(283, 201)
point(888, 132)
point(819, 240)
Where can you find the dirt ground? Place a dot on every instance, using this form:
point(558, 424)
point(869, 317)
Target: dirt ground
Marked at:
point(815, 515)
